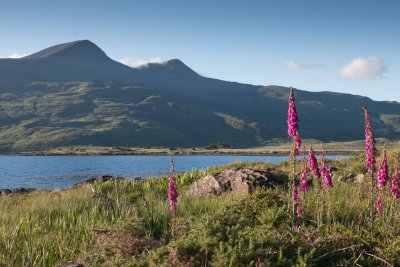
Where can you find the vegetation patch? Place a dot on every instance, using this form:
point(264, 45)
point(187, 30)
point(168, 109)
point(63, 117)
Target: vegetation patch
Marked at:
point(128, 223)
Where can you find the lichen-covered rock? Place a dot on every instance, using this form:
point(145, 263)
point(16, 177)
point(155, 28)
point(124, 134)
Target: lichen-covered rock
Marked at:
point(237, 181)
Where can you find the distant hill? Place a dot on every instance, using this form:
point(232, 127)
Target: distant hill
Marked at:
point(74, 94)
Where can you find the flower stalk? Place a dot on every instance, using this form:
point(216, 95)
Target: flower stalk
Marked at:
point(395, 191)
point(172, 190)
point(370, 160)
point(293, 133)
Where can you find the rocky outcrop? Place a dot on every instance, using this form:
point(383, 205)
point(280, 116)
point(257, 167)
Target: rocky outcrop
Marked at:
point(102, 178)
point(18, 191)
point(236, 181)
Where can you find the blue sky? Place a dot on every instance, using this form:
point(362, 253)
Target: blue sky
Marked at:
point(344, 46)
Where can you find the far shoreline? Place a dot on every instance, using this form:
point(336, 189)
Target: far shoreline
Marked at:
point(278, 148)
point(112, 151)
point(338, 153)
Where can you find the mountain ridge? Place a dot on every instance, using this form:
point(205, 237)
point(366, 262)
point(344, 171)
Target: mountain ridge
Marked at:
point(74, 94)
point(80, 49)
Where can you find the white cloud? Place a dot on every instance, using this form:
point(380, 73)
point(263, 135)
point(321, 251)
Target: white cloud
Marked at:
point(364, 68)
point(134, 63)
point(290, 64)
point(17, 55)
point(296, 66)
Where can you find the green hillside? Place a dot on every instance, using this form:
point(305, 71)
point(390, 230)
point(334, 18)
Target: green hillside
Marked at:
point(106, 114)
point(74, 94)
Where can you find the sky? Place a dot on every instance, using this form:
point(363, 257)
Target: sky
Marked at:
point(342, 46)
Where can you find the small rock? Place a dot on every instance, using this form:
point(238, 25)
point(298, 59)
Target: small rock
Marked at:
point(346, 179)
point(360, 178)
point(138, 179)
point(333, 169)
point(349, 177)
point(340, 179)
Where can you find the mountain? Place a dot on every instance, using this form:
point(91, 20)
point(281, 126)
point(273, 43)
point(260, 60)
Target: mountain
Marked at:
point(74, 94)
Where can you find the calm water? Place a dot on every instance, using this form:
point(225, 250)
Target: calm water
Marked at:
point(62, 171)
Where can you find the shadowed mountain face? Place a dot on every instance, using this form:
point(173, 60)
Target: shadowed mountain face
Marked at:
point(73, 93)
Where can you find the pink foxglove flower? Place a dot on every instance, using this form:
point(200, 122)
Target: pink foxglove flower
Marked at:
point(295, 195)
point(379, 205)
point(293, 122)
point(172, 194)
point(370, 149)
point(396, 184)
point(383, 174)
point(312, 161)
point(303, 178)
point(326, 174)
point(298, 211)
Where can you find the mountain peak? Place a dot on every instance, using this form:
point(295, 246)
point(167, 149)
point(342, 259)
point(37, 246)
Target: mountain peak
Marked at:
point(175, 66)
point(84, 49)
point(175, 62)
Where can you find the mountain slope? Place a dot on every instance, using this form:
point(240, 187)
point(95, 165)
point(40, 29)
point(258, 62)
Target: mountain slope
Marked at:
point(106, 114)
point(73, 93)
point(78, 49)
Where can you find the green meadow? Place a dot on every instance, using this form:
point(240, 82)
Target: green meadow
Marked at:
point(127, 223)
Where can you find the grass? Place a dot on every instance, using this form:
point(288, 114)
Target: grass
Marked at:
point(129, 224)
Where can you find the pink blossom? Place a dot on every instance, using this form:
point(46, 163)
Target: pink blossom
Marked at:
point(325, 173)
point(298, 211)
point(379, 205)
point(383, 174)
point(303, 178)
point(396, 184)
point(312, 161)
point(370, 149)
point(293, 121)
point(172, 194)
point(297, 229)
point(295, 195)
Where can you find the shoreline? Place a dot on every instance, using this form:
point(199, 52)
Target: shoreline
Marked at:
point(330, 153)
point(347, 148)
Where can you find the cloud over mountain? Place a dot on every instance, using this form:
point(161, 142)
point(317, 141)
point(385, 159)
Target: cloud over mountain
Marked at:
point(140, 62)
point(17, 55)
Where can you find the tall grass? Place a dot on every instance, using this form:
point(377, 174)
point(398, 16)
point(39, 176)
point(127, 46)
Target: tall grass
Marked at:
point(126, 223)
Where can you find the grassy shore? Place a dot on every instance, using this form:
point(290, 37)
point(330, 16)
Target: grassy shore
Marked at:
point(128, 223)
point(280, 147)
